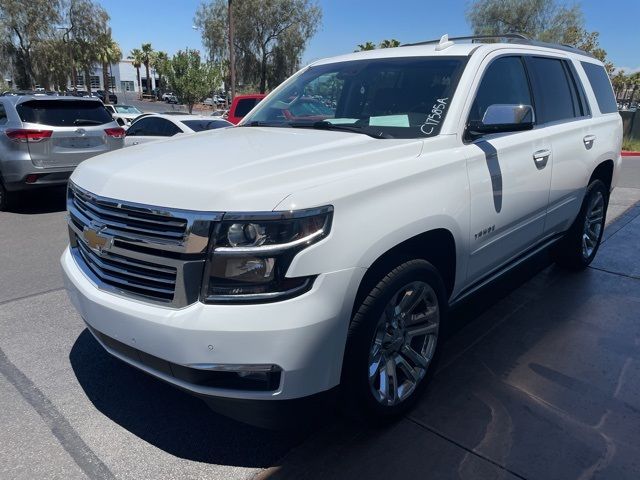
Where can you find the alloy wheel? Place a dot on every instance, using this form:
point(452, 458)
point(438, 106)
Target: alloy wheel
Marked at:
point(593, 224)
point(404, 343)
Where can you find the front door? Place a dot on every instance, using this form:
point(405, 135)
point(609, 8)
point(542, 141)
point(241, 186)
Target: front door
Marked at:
point(509, 174)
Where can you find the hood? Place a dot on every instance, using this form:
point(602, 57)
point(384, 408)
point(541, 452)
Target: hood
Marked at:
point(235, 169)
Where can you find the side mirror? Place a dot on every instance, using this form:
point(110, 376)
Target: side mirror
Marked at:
point(500, 118)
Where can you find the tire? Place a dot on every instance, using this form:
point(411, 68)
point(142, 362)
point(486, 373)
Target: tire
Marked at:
point(380, 333)
point(4, 198)
point(577, 249)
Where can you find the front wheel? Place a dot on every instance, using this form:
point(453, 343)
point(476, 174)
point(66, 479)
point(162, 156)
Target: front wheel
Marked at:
point(392, 342)
point(579, 246)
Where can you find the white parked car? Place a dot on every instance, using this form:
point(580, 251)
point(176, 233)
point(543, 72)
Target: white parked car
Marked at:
point(153, 127)
point(123, 114)
point(307, 251)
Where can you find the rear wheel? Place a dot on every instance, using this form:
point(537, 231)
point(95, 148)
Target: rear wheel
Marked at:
point(392, 342)
point(580, 244)
point(4, 198)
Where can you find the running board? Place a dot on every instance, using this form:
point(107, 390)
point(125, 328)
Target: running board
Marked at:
point(466, 293)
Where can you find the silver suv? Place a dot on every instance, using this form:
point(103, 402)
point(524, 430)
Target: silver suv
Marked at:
point(42, 140)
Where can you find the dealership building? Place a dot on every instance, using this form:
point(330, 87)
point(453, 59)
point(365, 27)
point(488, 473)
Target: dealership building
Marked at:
point(123, 77)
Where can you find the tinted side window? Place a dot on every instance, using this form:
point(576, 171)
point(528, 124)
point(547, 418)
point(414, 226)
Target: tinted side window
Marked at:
point(504, 82)
point(601, 85)
point(166, 128)
point(146, 127)
point(576, 83)
point(244, 106)
point(3, 115)
point(555, 100)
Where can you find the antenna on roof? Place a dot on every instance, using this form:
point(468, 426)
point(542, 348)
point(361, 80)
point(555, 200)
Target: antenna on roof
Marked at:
point(444, 42)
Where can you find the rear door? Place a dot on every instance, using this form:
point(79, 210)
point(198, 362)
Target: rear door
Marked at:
point(564, 119)
point(77, 130)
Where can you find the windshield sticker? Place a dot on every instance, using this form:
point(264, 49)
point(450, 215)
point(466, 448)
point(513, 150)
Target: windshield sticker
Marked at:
point(390, 121)
point(435, 117)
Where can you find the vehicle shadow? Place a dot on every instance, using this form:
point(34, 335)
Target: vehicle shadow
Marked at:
point(184, 426)
point(168, 418)
point(38, 201)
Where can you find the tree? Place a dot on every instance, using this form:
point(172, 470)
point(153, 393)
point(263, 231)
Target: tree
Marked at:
point(544, 20)
point(618, 81)
point(191, 78)
point(161, 65)
point(362, 47)
point(108, 52)
point(27, 25)
point(263, 30)
point(147, 58)
point(88, 22)
point(136, 61)
point(634, 85)
point(589, 42)
point(390, 43)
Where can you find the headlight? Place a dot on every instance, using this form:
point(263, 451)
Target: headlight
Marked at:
point(251, 253)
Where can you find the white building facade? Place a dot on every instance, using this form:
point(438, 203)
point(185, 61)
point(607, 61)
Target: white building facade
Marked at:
point(123, 78)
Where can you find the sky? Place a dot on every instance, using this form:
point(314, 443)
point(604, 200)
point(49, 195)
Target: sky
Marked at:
point(168, 25)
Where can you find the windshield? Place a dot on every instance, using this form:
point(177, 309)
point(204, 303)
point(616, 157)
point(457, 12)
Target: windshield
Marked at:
point(127, 109)
point(384, 97)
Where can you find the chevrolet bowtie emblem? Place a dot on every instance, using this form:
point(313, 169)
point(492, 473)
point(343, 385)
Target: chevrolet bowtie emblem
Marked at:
point(96, 240)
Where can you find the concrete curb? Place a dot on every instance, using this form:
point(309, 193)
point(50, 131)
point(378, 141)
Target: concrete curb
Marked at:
point(630, 154)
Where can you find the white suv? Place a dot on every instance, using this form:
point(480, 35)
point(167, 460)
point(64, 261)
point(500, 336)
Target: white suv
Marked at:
point(324, 242)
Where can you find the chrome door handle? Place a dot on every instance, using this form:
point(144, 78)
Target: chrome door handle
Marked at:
point(588, 141)
point(135, 143)
point(541, 157)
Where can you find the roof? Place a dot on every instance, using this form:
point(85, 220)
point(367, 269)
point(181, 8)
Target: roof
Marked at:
point(16, 99)
point(446, 47)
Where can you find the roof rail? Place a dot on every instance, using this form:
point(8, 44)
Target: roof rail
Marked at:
point(519, 38)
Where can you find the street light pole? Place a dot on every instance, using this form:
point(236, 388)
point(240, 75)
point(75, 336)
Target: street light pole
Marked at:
point(232, 53)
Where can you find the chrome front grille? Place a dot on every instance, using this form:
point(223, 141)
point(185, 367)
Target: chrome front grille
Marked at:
point(153, 254)
point(139, 277)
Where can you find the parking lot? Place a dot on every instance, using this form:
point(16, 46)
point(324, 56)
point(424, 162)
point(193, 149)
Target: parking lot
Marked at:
point(540, 380)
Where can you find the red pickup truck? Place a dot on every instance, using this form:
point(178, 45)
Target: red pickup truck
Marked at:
point(241, 105)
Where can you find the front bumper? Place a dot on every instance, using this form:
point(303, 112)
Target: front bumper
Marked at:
point(304, 336)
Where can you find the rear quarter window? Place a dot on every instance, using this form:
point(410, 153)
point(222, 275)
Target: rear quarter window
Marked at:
point(63, 113)
point(601, 86)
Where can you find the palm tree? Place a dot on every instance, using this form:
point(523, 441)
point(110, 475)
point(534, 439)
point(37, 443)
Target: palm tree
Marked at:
point(390, 43)
point(161, 64)
point(136, 57)
point(108, 52)
point(634, 84)
point(147, 58)
point(366, 46)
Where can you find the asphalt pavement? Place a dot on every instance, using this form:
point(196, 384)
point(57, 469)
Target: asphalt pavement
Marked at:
point(540, 379)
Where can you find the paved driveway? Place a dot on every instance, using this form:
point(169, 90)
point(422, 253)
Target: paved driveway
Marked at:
point(540, 379)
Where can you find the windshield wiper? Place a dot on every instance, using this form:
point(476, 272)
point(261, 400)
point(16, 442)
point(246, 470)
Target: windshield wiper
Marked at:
point(324, 125)
point(86, 121)
point(260, 123)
